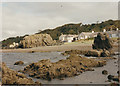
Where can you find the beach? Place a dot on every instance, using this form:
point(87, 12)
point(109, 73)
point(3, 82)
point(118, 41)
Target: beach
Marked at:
point(60, 48)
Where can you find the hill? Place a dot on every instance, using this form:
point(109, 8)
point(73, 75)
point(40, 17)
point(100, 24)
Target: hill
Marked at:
point(68, 29)
point(78, 28)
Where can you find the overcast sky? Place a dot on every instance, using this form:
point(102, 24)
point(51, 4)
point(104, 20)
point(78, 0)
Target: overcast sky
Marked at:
point(20, 18)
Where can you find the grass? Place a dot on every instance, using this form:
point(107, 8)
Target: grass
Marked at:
point(80, 42)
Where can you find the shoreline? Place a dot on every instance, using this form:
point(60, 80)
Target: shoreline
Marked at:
point(59, 48)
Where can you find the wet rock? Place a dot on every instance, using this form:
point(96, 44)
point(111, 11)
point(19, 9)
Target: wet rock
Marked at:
point(10, 77)
point(19, 63)
point(105, 72)
point(118, 72)
point(110, 77)
point(72, 66)
point(37, 40)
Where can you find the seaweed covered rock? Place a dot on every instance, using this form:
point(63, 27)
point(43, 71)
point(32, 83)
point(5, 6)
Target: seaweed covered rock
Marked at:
point(102, 41)
point(10, 77)
point(72, 66)
point(37, 40)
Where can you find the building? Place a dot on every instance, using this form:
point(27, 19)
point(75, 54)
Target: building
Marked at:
point(86, 35)
point(13, 45)
point(68, 38)
point(113, 34)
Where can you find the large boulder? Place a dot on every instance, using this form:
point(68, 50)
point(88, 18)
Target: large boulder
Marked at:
point(37, 40)
point(102, 41)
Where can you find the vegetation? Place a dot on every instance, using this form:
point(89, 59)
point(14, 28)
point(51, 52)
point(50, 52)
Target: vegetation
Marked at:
point(7, 42)
point(68, 29)
point(78, 28)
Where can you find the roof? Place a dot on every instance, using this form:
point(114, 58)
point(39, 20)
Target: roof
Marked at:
point(69, 35)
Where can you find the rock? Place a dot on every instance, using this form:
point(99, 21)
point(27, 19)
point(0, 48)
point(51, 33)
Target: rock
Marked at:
point(102, 41)
point(118, 72)
point(37, 40)
point(10, 77)
point(81, 52)
point(101, 63)
point(90, 69)
point(19, 63)
point(72, 66)
point(31, 52)
point(114, 84)
point(110, 77)
point(105, 72)
point(94, 53)
point(116, 78)
point(105, 53)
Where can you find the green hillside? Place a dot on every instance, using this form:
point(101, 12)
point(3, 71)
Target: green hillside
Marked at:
point(78, 28)
point(68, 29)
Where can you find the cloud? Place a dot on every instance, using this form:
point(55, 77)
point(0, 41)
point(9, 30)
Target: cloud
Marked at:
point(28, 17)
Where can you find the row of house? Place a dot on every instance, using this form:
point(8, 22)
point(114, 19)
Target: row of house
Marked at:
point(86, 35)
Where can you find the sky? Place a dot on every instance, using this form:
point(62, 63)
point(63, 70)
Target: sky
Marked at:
point(20, 18)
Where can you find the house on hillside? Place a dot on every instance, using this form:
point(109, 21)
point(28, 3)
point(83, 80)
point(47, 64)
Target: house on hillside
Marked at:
point(86, 35)
point(113, 34)
point(68, 38)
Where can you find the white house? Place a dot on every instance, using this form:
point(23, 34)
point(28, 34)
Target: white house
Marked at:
point(68, 38)
point(13, 45)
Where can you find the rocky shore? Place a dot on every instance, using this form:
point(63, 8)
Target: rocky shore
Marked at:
point(10, 77)
point(72, 66)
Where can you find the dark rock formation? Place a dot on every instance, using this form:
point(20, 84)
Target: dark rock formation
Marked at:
point(105, 72)
point(72, 66)
point(102, 41)
point(10, 77)
point(19, 63)
point(37, 40)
